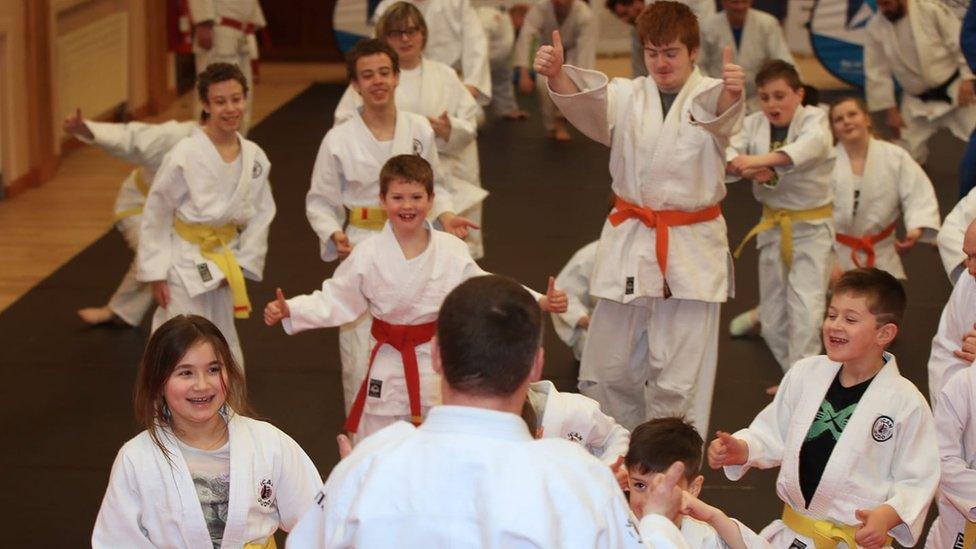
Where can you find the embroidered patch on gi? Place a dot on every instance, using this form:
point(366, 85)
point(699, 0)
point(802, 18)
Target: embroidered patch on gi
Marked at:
point(960, 538)
point(883, 429)
point(797, 544)
point(418, 147)
point(266, 494)
point(629, 286)
point(257, 170)
point(375, 388)
point(573, 436)
point(204, 271)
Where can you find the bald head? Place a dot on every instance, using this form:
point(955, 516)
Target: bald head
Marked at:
point(969, 248)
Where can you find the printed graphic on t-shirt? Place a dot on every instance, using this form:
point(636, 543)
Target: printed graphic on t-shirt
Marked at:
point(213, 493)
point(830, 420)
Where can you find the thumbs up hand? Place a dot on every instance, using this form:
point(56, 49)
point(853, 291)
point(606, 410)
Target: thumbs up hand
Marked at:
point(549, 59)
point(733, 77)
point(555, 300)
point(276, 310)
point(727, 450)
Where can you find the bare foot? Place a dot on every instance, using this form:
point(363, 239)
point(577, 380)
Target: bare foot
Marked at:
point(96, 315)
point(517, 114)
point(771, 391)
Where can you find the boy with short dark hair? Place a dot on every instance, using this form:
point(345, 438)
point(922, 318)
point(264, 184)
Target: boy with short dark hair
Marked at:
point(654, 446)
point(854, 440)
point(400, 276)
point(787, 152)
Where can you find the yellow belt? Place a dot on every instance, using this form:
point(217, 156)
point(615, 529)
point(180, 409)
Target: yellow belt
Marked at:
point(371, 219)
point(825, 534)
point(213, 246)
point(143, 188)
point(270, 544)
point(773, 217)
point(969, 536)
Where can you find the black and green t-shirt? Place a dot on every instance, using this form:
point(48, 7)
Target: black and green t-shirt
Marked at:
point(835, 411)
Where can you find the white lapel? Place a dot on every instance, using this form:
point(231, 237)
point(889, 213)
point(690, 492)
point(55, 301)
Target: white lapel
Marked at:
point(746, 46)
point(404, 141)
point(858, 427)
point(242, 477)
point(553, 412)
point(816, 385)
point(250, 170)
point(919, 29)
point(652, 126)
point(411, 281)
point(193, 526)
point(843, 189)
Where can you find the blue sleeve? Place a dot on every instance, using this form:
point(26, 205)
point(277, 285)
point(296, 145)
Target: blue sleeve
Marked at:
point(967, 38)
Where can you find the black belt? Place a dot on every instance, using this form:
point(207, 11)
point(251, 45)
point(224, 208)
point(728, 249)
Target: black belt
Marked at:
point(940, 92)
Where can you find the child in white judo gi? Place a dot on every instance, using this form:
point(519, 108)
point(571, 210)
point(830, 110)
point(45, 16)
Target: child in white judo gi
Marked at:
point(955, 424)
point(952, 234)
point(875, 183)
point(144, 145)
point(574, 279)
point(203, 473)
point(499, 25)
point(342, 202)
point(654, 446)
point(206, 219)
point(472, 475)
point(400, 276)
point(787, 152)
point(433, 90)
point(663, 266)
point(854, 441)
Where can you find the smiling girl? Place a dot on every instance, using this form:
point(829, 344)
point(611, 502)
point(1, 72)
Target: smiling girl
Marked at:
point(202, 472)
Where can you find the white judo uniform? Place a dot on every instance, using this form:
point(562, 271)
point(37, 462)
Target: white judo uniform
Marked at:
point(144, 145)
point(501, 40)
point(346, 176)
point(867, 206)
point(574, 279)
point(701, 535)
point(921, 52)
point(470, 477)
point(456, 38)
point(579, 32)
point(792, 298)
point(234, 23)
point(650, 355)
point(151, 500)
point(887, 453)
point(378, 279)
point(762, 40)
point(952, 233)
point(430, 90)
point(958, 317)
point(578, 419)
point(195, 186)
point(955, 424)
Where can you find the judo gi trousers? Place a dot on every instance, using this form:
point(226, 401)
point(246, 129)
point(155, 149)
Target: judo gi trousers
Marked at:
point(792, 300)
point(354, 350)
point(918, 129)
point(132, 299)
point(216, 305)
point(502, 88)
point(652, 358)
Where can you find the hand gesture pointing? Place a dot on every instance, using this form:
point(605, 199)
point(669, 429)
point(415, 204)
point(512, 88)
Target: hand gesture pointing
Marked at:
point(549, 59)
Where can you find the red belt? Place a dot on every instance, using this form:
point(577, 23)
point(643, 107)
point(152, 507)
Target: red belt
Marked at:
point(403, 338)
point(662, 220)
point(246, 28)
point(865, 243)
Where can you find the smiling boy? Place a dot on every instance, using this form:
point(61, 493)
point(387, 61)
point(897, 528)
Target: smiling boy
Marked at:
point(400, 276)
point(854, 440)
point(787, 152)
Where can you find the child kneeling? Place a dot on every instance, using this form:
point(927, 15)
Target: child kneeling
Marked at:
point(854, 440)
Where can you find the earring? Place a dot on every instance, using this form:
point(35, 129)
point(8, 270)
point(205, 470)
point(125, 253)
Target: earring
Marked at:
point(167, 415)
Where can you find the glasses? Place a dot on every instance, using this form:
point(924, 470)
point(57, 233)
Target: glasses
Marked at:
point(408, 32)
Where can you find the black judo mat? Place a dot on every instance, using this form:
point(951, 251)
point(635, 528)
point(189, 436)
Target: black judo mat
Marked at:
point(65, 401)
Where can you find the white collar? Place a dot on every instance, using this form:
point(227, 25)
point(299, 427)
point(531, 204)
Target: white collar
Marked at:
point(473, 421)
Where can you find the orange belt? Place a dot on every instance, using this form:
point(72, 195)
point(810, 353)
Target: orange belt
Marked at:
point(864, 244)
point(662, 220)
point(403, 338)
point(246, 28)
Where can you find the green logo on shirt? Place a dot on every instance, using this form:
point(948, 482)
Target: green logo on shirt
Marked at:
point(829, 420)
